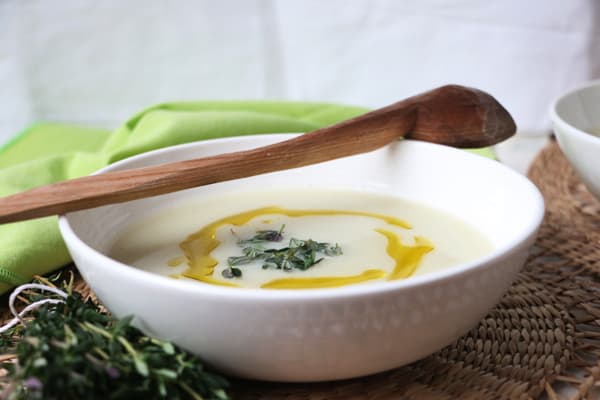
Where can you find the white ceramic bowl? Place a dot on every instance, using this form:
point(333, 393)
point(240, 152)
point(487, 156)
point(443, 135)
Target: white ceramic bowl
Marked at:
point(575, 116)
point(322, 334)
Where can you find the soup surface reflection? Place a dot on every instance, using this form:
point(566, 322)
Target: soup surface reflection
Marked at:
point(298, 239)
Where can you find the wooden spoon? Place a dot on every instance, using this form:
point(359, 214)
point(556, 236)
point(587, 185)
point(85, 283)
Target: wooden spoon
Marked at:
point(451, 115)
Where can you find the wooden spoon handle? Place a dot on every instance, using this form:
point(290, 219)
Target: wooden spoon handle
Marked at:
point(451, 115)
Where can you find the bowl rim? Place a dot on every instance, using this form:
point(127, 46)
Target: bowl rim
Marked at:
point(566, 126)
point(122, 269)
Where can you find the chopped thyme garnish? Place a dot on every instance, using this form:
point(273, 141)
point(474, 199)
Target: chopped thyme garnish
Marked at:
point(299, 254)
point(232, 272)
point(264, 236)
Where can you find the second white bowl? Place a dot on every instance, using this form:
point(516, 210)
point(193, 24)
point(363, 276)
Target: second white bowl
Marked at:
point(576, 121)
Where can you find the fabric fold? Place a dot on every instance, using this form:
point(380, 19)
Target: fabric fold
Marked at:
point(50, 152)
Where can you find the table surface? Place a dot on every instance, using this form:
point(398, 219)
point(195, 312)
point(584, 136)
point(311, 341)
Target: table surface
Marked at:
point(519, 151)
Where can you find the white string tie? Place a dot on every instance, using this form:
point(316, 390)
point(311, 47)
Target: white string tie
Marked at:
point(18, 316)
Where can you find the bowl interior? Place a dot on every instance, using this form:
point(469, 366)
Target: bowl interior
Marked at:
point(503, 205)
point(581, 109)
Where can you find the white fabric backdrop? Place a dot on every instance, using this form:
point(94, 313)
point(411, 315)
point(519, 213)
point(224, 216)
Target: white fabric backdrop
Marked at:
point(98, 62)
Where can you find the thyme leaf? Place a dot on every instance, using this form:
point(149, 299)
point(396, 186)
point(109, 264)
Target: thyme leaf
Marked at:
point(264, 236)
point(298, 254)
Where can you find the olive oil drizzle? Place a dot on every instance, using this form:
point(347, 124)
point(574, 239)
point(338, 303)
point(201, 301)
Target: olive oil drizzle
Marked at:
point(198, 247)
point(177, 261)
point(407, 258)
point(323, 282)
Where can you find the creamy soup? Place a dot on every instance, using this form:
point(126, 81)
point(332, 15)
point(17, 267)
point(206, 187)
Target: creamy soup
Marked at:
point(594, 132)
point(297, 239)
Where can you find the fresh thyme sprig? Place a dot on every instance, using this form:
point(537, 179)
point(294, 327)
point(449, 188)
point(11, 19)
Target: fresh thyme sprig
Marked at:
point(299, 254)
point(75, 350)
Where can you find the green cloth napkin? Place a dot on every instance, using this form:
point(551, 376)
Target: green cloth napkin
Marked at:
point(49, 152)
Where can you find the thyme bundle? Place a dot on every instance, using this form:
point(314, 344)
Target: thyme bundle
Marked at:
point(76, 350)
point(298, 254)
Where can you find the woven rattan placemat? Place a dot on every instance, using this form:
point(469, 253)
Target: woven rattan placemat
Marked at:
point(541, 340)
